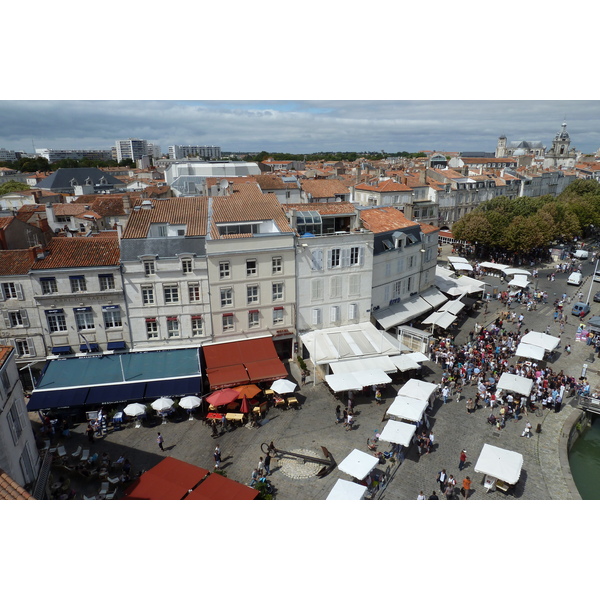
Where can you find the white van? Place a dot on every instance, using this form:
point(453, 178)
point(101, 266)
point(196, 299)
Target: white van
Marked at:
point(582, 254)
point(575, 278)
point(597, 276)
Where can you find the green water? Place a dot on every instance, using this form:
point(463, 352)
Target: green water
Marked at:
point(584, 460)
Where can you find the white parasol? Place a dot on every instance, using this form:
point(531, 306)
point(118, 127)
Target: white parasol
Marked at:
point(283, 386)
point(134, 410)
point(190, 402)
point(162, 404)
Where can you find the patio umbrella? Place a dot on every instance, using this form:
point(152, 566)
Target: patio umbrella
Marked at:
point(190, 402)
point(221, 397)
point(134, 410)
point(249, 391)
point(283, 386)
point(162, 404)
point(245, 408)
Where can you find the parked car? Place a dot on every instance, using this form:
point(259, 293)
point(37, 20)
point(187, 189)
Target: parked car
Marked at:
point(580, 306)
point(597, 297)
point(575, 278)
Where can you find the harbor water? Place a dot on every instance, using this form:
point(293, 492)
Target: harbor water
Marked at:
point(584, 460)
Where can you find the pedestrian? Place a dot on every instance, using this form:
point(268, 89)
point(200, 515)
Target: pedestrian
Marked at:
point(213, 427)
point(462, 460)
point(442, 479)
point(421, 496)
point(338, 414)
point(160, 441)
point(349, 422)
point(527, 430)
point(378, 396)
point(254, 478)
point(466, 487)
point(223, 423)
point(568, 348)
point(261, 466)
point(90, 433)
point(433, 496)
point(303, 377)
point(217, 456)
point(268, 464)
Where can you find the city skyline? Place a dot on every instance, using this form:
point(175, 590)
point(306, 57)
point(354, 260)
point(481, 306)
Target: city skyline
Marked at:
point(302, 126)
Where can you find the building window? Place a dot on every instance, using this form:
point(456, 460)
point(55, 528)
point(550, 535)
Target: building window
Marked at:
point(186, 265)
point(277, 315)
point(316, 290)
point(253, 319)
point(171, 294)
point(12, 291)
point(354, 284)
point(112, 317)
point(107, 282)
point(14, 422)
point(173, 327)
point(334, 258)
point(228, 322)
point(16, 318)
point(277, 265)
point(334, 314)
point(149, 267)
point(251, 267)
point(277, 291)
point(224, 270)
point(252, 294)
point(25, 347)
point(151, 329)
point(49, 286)
point(335, 287)
point(57, 322)
point(197, 326)
point(397, 289)
point(316, 316)
point(84, 320)
point(226, 297)
point(78, 284)
point(194, 292)
point(356, 254)
point(147, 294)
point(352, 311)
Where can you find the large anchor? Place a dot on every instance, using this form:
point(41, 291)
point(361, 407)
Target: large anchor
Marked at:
point(327, 461)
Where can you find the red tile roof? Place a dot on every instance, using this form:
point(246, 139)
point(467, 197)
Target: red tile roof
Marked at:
point(75, 252)
point(6, 221)
point(272, 181)
point(192, 211)
point(324, 188)
point(11, 490)
point(5, 353)
point(15, 262)
point(386, 218)
point(389, 185)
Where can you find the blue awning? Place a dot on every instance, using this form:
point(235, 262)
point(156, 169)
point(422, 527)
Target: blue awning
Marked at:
point(62, 350)
point(115, 346)
point(112, 394)
point(174, 387)
point(89, 347)
point(57, 398)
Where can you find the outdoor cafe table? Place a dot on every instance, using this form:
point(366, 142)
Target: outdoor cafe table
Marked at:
point(214, 416)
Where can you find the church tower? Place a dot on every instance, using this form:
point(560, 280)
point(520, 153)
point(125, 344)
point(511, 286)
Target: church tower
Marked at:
point(561, 155)
point(501, 147)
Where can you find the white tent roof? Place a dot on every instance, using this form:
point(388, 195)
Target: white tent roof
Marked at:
point(404, 362)
point(415, 388)
point(441, 318)
point(491, 265)
point(530, 351)
point(460, 264)
point(358, 464)
point(398, 432)
point(502, 464)
point(458, 259)
point(545, 341)
point(404, 311)
point(434, 297)
point(418, 356)
point(347, 490)
point(347, 342)
point(515, 383)
point(519, 281)
point(511, 271)
point(341, 382)
point(453, 306)
point(382, 362)
point(406, 407)
point(372, 377)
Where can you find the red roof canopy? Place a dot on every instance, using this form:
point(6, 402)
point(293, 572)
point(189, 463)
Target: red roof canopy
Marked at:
point(217, 487)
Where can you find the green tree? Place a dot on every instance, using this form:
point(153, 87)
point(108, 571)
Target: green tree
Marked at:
point(13, 186)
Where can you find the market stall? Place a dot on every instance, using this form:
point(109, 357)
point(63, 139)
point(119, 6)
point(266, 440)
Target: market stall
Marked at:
point(530, 351)
point(502, 468)
point(358, 464)
point(398, 432)
point(407, 408)
point(415, 388)
point(543, 340)
point(515, 383)
point(342, 382)
point(347, 490)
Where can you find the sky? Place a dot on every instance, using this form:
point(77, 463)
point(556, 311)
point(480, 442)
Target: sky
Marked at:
point(297, 126)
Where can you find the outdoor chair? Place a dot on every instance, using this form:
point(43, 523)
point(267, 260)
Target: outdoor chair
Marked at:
point(76, 453)
point(89, 498)
point(61, 452)
point(113, 480)
point(85, 455)
point(103, 490)
point(110, 495)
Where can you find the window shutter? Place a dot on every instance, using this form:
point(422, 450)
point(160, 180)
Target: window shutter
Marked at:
point(361, 256)
point(316, 289)
point(31, 346)
point(345, 260)
point(329, 258)
point(334, 314)
point(6, 319)
point(1, 292)
point(19, 291)
point(25, 318)
point(316, 316)
point(354, 285)
point(352, 311)
point(317, 260)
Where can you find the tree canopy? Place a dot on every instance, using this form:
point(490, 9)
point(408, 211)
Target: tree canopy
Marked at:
point(13, 186)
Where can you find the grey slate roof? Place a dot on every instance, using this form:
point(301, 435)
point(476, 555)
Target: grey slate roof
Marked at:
point(62, 179)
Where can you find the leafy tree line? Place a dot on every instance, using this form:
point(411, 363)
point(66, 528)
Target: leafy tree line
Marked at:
point(330, 156)
point(31, 165)
point(522, 224)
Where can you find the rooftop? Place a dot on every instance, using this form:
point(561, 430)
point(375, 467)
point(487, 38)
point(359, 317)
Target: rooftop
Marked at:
point(15, 262)
point(386, 218)
point(73, 252)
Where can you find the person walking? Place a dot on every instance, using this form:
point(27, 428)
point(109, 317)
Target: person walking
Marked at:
point(217, 457)
point(268, 464)
point(433, 496)
point(462, 459)
point(338, 414)
point(421, 496)
point(160, 441)
point(442, 479)
point(261, 466)
point(90, 433)
point(466, 487)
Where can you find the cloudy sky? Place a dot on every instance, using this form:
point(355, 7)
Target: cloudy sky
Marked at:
point(297, 126)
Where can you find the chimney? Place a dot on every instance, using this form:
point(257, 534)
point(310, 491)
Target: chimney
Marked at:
point(37, 252)
point(422, 178)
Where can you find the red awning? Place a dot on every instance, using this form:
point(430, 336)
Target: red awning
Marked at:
point(170, 479)
point(244, 361)
point(217, 487)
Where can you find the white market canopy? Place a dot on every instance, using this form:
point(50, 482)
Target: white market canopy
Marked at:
point(545, 341)
point(441, 318)
point(342, 382)
point(359, 340)
point(530, 351)
point(460, 264)
point(515, 383)
point(415, 388)
point(458, 259)
point(408, 408)
point(502, 464)
point(519, 281)
point(418, 356)
point(512, 271)
point(358, 464)
point(453, 306)
point(496, 266)
point(400, 313)
point(404, 362)
point(372, 377)
point(434, 297)
point(347, 490)
point(382, 362)
point(398, 432)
